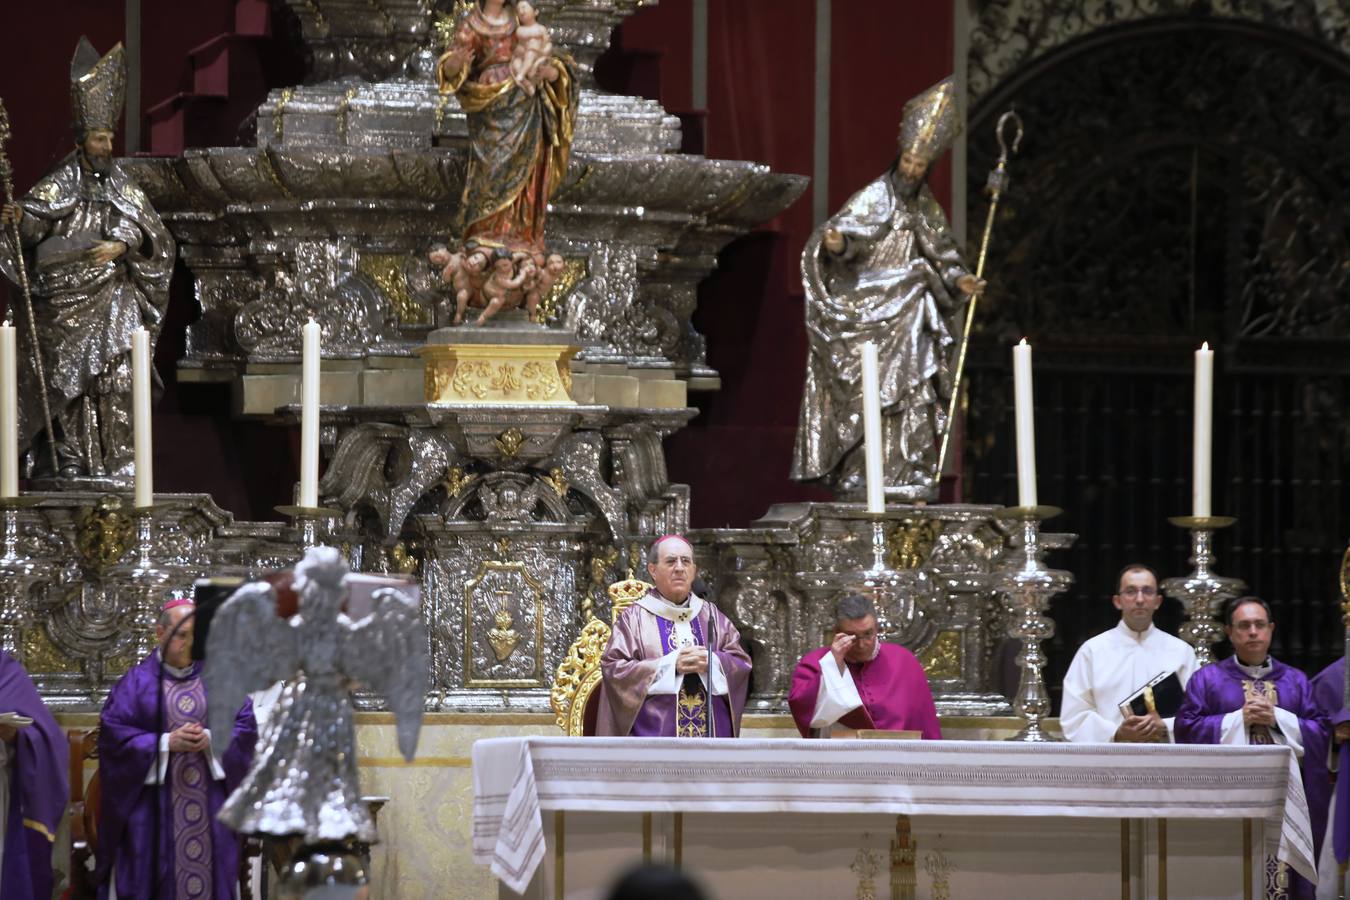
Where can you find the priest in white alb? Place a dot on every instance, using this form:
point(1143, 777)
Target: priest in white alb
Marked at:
point(1111, 667)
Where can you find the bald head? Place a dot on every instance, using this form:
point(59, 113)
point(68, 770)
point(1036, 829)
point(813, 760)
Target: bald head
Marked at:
point(175, 650)
point(670, 561)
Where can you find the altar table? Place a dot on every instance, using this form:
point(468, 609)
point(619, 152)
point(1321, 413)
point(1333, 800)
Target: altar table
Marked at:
point(1052, 819)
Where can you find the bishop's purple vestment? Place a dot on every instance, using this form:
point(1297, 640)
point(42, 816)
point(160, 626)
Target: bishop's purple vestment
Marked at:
point(38, 788)
point(198, 856)
point(1329, 696)
point(641, 694)
point(1222, 687)
point(891, 689)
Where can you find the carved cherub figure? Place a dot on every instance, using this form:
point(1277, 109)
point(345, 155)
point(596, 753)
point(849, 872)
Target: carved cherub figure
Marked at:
point(469, 280)
point(445, 259)
point(532, 50)
point(499, 285)
point(546, 273)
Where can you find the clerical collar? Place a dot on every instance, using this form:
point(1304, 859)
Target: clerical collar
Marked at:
point(1138, 636)
point(1258, 671)
point(657, 605)
point(876, 651)
point(174, 671)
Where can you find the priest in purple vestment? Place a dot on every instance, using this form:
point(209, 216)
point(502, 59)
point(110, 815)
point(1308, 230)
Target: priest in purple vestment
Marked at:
point(674, 666)
point(1329, 795)
point(33, 786)
point(861, 682)
point(153, 741)
point(1252, 698)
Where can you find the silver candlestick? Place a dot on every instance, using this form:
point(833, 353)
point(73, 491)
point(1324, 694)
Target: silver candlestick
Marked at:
point(1202, 593)
point(902, 597)
point(879, 580)
point(147, 579)
point(1027, 584)
point(307, 520)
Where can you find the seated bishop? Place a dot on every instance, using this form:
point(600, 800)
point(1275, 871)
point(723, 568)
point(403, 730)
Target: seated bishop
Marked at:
point(1111, 668)
point(860, 682)
point(1253, 698)
point(153, 744)
point(674, 666)
point(33, 789)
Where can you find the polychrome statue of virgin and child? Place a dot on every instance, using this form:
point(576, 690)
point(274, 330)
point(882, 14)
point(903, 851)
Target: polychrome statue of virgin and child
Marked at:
point(520, 96)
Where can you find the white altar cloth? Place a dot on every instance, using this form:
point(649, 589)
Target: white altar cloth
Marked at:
point(516, 778)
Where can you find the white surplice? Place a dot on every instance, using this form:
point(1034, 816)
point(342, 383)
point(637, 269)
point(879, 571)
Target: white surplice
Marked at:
point(838, 695)
point(1109, 668)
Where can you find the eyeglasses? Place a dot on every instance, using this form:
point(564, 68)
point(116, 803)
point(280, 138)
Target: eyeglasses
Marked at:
point(1133, 591)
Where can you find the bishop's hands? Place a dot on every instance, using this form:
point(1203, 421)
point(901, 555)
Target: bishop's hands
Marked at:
point(691, 661)
point(1147, 729)
point(833, 240)
point(189, 738)
point(1258, 710)
point(840, 646)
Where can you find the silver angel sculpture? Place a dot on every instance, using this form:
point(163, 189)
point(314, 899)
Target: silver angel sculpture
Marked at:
point(884, 269)
point(304, 777)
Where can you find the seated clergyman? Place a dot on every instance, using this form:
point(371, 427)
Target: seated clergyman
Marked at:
point(674, 666)
point(1112, 667)
point(860, 682)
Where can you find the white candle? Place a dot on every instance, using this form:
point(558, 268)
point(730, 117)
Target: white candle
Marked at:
point(140, 410)
point(1203, 445)
point(309, 418)
point(1026, 431)
point(871, 387)
point(9, 414)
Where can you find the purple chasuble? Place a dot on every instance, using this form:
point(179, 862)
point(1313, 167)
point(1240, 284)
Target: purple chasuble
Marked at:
point(892, 686)
point(1222, 687)
point(638, 642)
point(1329, 697)
point(188, 800)
point(38, 788)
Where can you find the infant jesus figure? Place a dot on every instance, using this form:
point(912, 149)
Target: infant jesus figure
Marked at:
point(533, 48)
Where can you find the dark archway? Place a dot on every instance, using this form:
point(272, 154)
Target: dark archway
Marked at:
point(1182, 179)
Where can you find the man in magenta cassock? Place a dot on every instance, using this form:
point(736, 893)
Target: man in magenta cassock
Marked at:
point(1328, 794)
point(33, 764)
point(674, 666)
point(1253, 698)
point(861, 682)
point(142, 741)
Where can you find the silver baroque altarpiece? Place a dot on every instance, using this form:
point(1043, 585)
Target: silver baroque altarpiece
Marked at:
point(515, 518)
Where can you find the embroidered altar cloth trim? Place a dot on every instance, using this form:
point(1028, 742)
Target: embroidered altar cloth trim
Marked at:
point(515, 779)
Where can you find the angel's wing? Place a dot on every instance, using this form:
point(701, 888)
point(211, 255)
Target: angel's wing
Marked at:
point(386, 651)
point(248, 649)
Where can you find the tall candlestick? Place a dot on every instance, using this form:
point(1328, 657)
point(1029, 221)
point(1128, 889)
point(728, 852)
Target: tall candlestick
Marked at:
point(1026, 431)
point(309, 418)
point(140, 411)
point(9, 414)
point(1203, 445)
point(871, 386)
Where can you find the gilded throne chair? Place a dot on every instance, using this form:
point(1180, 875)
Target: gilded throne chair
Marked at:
point(575, 696)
